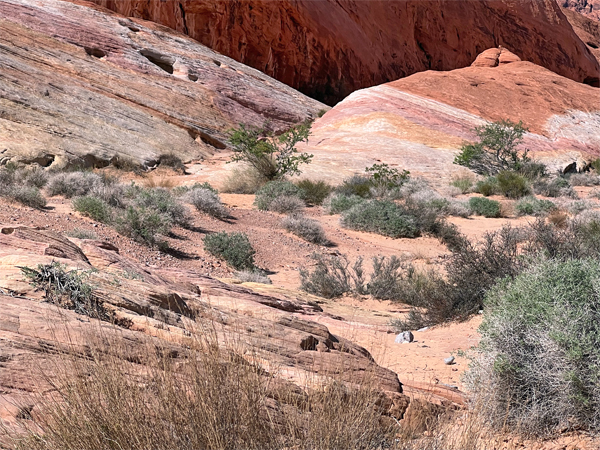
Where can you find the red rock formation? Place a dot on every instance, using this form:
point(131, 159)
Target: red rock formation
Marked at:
point(589, 8)
point(327, 49)
point(587, 29)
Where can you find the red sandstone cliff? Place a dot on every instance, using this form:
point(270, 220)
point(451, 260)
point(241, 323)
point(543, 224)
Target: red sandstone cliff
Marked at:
point(330, 48)
point(589, 8)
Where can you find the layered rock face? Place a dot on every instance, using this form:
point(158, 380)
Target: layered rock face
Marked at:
point(328, 49)
point(164, 307)
point(420, 122)
point(81, 84)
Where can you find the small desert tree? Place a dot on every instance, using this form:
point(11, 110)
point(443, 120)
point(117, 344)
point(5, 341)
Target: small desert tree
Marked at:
point(272, 156)
point(496, 150)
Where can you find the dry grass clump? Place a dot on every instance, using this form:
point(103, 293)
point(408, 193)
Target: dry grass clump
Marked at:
point(159, 182)
point(72, 184)
point(197, 396)
point(22, 185)
point(463, 181)
point(207, 201)
point(308, 229)
point(246, 180)
point(252, 276)
point(584, 179)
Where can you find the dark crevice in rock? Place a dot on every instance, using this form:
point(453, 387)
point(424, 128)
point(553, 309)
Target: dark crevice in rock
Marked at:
point(95, 52)
point(592, 81)
point(163, 61)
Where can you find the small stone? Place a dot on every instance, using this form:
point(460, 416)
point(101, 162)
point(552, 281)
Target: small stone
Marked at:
point(449, 361)
point(404, 338)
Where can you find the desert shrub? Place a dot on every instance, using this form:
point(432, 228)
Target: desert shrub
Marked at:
point(66, 288)
point(385, 179)
point(245, 180)
point(382, 217)
point(314, 192)
point(182, 190)
point(580, 239)
point(536, 367)
point(430, 199)
point(173, 161)
point(386, 279)
point(72, 184)
point(497, 149)
point(557, 187)
point(413, 186)
point(161, 201)
point(308, 229)
point(558, 218)
point(80, 233)
point(207, 201)
point(111, 193)
point(252, 276)
point(285, 204)
point(234, 248)
point(484, 207)
point(512, 185)
point(463, 182)
point(357, 185)
point(338, 203)
point(31, 176)
point(487, 187)
point(584, 179)
point(93, 208)
point(273, 189)
point(332, 276)
point(471, 271)
point(26, 195)
point(273, 157)
point(144, 225)
point(531, 206)
point(533, 170)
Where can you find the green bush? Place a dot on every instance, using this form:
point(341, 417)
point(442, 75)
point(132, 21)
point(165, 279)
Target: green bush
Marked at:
point(512, 185)
point(162, 202)
point(338, 203)
point(382, 217)
point(484, 207)
point(531, 206)
point(93, 208)
point(464, 183)
point(487, 187)
point(314, 192)
point(358, 185)
point(143, 224)
point(537, 367)
point(234, 248)
point(273, 189)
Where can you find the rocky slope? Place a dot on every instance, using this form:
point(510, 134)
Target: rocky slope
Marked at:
point(83, 84)
point(419, 122)
point(587, 29)
point(328, 49)
point(165, 306)
point(589, 8)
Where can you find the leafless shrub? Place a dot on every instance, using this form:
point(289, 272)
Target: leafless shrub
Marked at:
point(308, 229)
point(72, 184)
point(208, 202)
point(287, 204)
point(246, 180)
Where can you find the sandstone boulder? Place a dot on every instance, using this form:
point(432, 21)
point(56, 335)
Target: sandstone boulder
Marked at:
point(419, 123)
point(87, 86)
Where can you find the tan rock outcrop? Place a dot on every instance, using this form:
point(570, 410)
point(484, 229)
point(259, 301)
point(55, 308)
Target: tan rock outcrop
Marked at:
point(166, 306)
point(86, 85)
point(418, 123)
point(328, 49)
point(587, 29)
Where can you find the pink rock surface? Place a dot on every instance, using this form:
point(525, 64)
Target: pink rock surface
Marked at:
point(418, 123)
point(80, 83)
